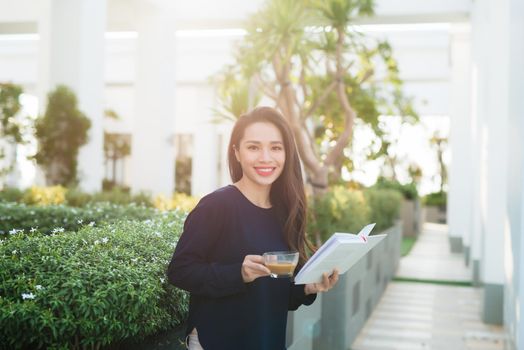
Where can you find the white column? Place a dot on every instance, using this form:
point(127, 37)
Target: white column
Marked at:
point(495, 128)
point(480, 83)
point(71, 52)
point(460, 186)
point(204, 177)
point(152, 151)
point(494, 131)
point(514, 233)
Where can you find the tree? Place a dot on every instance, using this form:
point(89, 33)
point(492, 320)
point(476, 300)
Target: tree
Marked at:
point(116, 146)
point(440, 144)
point(321, 73)
point(61, 132)
point(12, 124)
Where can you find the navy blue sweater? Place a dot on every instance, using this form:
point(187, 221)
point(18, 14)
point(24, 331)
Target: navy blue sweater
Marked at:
point(229, 314)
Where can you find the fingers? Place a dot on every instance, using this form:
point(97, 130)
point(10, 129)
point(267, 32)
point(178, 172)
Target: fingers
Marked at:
point(253, 267)
point(257, 263)
point(333, 278)
point(325, 280)
point(327, 283)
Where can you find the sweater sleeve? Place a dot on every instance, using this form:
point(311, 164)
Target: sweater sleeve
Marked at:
point(297, 296)
point(190, 268)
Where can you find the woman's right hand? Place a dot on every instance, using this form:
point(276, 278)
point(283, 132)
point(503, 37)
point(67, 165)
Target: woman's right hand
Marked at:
point(253, 267)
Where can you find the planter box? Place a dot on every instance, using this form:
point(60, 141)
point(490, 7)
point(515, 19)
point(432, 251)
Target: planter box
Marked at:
point(336, 318)
point(411, 216)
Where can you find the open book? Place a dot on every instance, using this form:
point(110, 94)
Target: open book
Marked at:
point(341, 251)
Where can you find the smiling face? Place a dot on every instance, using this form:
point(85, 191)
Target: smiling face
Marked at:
point(261, 154)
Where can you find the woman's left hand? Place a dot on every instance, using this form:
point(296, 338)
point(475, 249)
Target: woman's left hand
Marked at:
point(326, 284)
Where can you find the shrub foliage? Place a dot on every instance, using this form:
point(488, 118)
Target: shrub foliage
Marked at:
point(89, 289)
point(60, 133)
point(55, 218)
point(384, 207)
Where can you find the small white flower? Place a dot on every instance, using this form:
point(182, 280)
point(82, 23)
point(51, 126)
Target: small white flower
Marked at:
point(80, 221)
point(96, 242)
point(39, 287)
point(162, 280)
point(32, 230)
point(105, 240)
point(92, 223)
point(14, 252)
point(28, 296)
point(58, 229)
point(13, 231)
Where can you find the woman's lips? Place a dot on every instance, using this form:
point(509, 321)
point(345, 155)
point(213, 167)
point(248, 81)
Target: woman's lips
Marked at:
point(264, 171)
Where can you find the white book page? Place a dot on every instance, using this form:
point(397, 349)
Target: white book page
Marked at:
point(341, 251)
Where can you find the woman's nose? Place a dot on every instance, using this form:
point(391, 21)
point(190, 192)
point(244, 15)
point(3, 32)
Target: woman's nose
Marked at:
point(265, 155)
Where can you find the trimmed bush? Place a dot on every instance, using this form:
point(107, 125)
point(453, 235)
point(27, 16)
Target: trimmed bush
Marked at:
point(77, 198)
point(88, 290)
point(180, 201)
point(36, 195)
point(119, 196)
point(11, 194)
point(339, 210)
point(385, 207)
point(409, 191)
point(438, 199)
point(54, 218)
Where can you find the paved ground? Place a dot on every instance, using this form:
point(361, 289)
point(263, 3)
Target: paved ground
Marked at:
point(430, 316)
point(430, 258)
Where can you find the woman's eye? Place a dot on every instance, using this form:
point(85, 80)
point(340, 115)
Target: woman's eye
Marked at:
point(277, 148)
point(252, 148)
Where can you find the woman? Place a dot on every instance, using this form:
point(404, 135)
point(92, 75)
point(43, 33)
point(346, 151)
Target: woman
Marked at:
point(218, 259)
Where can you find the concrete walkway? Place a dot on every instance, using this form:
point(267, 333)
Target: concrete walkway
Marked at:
point(430, 258)
point(415, 315)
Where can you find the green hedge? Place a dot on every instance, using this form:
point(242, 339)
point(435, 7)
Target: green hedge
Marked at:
point(408, 191)
point(438, 199)
point(339, 210)
point(11, 194)
point(89, 289)
point(347, 210)
point(385, 207)
point(77, 198)
point(48, 219)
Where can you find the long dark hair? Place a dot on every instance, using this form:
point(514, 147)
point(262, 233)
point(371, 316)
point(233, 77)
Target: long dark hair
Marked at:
point(287, 193)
